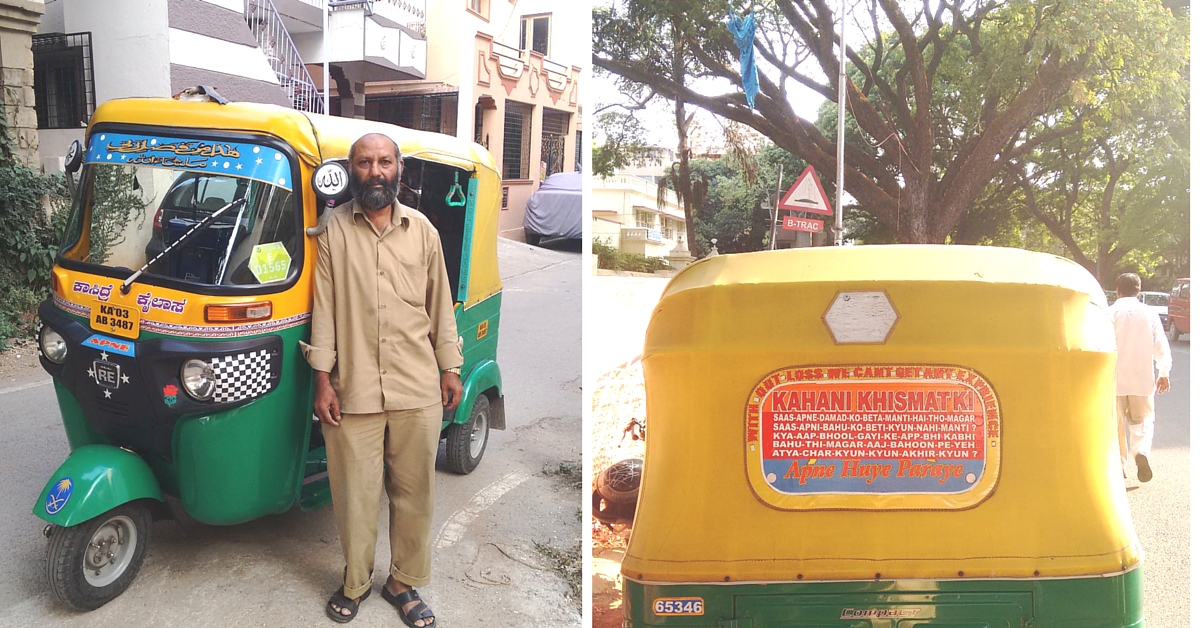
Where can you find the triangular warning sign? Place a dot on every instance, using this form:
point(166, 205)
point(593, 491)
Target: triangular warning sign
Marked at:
point(806, 195)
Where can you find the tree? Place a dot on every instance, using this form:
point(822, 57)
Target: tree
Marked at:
point(943, 95)
point(624, 144)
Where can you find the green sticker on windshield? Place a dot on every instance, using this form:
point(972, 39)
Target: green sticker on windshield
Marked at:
point(270, 262)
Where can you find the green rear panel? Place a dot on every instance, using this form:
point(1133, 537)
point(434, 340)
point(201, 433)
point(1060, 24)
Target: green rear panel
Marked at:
point(1101, 602)
point(476, 348)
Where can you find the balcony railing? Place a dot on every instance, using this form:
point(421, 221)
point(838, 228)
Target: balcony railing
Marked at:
point(276, 44)
point(641, 234)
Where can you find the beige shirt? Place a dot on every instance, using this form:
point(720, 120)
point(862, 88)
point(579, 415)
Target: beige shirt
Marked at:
point(383, 316)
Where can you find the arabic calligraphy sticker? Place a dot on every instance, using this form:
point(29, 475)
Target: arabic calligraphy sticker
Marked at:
point(238, 159)
point(892, 436)
point(270, 262)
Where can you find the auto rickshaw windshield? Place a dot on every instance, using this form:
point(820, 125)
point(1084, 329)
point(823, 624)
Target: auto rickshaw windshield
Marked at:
point(140, 194)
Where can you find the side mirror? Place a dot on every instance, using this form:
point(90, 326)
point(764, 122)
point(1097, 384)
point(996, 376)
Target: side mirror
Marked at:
point(74, 157)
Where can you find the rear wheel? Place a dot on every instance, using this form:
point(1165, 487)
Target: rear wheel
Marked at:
point(1174, 331)
point(92, 563)
point(465, 442)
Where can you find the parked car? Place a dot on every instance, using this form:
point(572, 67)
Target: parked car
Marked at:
point(1179, 319)
point(555, 211)
point(1157, 302)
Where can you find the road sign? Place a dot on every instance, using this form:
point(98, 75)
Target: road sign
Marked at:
point(793, 223)
point(807, 195)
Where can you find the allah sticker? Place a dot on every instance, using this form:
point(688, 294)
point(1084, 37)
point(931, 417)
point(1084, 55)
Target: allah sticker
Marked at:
point(270, 262)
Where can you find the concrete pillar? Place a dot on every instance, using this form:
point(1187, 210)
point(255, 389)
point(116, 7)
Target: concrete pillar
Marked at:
point(18, 21)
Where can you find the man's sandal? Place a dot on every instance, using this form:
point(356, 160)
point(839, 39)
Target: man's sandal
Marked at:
point(418, 612)
point(339, 598)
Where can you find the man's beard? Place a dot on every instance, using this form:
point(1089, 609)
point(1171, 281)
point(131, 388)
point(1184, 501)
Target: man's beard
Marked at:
point(373, 198)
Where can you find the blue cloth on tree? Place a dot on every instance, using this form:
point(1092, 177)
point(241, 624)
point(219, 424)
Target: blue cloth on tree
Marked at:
point(743, 35)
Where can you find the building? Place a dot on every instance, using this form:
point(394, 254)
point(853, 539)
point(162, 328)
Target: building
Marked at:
point(625, 215)
point(87, 52)
point(18, 21)
point(506, 75)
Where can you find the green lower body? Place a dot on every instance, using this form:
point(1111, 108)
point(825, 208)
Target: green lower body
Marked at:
point(1098, 602)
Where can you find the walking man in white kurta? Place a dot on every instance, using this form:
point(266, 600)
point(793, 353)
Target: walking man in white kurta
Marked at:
point(1141, 345)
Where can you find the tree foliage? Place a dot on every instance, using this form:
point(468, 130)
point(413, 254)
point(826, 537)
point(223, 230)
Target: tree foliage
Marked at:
point(624, 144)
point(942, 96)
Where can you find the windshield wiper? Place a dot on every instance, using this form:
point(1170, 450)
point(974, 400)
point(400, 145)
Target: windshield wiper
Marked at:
point(200, 226)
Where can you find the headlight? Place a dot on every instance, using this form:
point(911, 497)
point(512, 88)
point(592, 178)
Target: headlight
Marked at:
point(52, 345)
point(199, 381)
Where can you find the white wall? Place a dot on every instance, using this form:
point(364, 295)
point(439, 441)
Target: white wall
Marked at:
point(129, 45)
point(570, 39)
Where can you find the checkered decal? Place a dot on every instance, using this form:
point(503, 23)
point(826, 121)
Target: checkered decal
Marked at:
point(242, 376)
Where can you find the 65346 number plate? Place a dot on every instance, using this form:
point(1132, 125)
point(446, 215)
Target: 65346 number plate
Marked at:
point(678, 606)
point(115, 319)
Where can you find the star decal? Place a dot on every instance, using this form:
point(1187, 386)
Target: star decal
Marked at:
point(239, 166)
point(104, 356)
point(124, 379)
point(92, 373)
point(258, 161)
point(107, 394)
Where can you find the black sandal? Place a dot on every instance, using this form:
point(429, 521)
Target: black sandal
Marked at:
point(418, 612)
point(339, 598)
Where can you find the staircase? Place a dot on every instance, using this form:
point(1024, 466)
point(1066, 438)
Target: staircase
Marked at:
point(276, 44)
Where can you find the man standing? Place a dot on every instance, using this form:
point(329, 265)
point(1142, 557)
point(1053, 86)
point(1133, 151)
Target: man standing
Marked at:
point(383, 328)
point(1141, 344)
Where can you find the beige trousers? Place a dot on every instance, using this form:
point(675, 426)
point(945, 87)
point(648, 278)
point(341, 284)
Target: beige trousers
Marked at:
point(1138, 412)
point(357, 451)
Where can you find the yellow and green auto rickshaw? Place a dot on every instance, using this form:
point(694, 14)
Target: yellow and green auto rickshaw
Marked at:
point(871, 437)
point(180, 294)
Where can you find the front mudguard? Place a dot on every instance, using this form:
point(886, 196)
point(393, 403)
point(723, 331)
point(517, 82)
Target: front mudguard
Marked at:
point(485, 376)
point(93, 480)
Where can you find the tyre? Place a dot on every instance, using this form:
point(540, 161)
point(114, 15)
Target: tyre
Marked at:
point(465, 442)
point(1174, 332)
point(92, 563)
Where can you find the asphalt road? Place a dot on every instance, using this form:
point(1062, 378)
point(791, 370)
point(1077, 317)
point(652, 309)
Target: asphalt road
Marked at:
point(1161, 510)
point(279, 570)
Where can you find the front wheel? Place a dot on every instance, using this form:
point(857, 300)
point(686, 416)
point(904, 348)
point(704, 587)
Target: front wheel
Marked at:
point(1174, 332)
point(92, 563)
point(465, 442)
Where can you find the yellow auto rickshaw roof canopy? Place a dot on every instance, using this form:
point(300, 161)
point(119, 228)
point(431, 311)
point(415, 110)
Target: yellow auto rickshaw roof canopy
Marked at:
point(1032, 327)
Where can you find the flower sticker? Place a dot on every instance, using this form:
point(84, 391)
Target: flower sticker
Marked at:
point(169, 394)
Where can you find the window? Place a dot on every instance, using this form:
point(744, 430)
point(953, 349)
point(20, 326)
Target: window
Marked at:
point(644, 219)
point(535, 33)
point(555, 125)
point(425, 112)
point(62, 80)
point(480, 7)
point(518, 127)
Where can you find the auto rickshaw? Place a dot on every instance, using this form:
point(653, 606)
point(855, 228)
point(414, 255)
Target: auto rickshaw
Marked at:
point(882, 436)
point(180, 295)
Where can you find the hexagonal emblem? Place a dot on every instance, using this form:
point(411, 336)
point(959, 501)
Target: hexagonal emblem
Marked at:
point(860, 317)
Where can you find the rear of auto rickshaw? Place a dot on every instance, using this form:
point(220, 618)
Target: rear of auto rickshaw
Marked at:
point(180, 295)
point(871, 437)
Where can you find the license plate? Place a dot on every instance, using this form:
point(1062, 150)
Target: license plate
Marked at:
point(107, 374)
point(117, 320)
point(674, 606)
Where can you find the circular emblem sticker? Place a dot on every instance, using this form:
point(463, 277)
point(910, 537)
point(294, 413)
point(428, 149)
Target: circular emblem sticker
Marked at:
point(330, 179)
point(270, 262)
point(879, 437)
point(59, 494)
